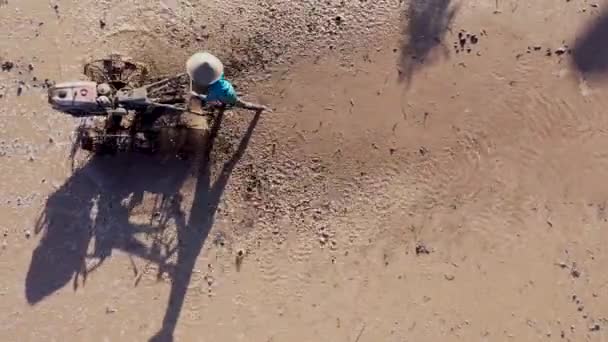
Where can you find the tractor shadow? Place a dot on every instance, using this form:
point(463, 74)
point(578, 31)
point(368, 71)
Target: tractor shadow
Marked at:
point(425, 23)
point(90, 216)
point(590, 52)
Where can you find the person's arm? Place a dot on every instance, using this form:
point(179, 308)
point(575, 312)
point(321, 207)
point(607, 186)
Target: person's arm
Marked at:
point(203, 97)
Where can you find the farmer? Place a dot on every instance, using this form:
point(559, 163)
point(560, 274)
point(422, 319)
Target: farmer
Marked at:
point(207, 76)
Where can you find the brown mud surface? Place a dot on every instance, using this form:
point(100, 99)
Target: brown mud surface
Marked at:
point(432, 171)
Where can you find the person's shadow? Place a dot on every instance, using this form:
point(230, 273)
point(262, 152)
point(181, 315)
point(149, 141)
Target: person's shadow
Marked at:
point(192, 235)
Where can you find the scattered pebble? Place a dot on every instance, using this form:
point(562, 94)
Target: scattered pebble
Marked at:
point(560, 51)
point(595, 327)
point(464, 39)
point(575, 272)
point(240, 255)
point(28, 234)
point(102, 24)
point(421, 249)
point(8, 66)
point(110, 310)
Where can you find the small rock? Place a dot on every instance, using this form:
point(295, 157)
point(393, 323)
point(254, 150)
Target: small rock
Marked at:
point(240, 255)
point(595, 327)
point(462, 42)
point(322, 240)
point(537, 47)
point(210, 280)
point(20, 90)
point(560, 51)
point(421, 249)
point(8, 66)
point(102, 24)
point(30, 67)
point(575, 273)
point(449, 277)
point(474, 39)
point(110, 310)
point(28, 234)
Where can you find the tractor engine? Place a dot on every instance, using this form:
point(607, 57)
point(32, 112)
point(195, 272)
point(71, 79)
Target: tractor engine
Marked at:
point(81, 98)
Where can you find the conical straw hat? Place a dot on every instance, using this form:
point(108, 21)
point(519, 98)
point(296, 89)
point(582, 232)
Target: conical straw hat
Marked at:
point(204, 68)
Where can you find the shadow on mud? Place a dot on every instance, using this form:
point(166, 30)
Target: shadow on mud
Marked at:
point(425, 23)
point(192, 235)
point(590, 52)
point(90, 216)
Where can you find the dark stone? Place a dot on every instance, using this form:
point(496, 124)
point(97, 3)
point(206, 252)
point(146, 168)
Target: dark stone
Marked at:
point(421, 249)
point(8, 66)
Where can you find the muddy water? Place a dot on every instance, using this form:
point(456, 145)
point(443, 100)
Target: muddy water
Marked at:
point(454, 196)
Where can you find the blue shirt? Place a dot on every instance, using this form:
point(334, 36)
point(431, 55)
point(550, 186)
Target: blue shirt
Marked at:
point(221, 91)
